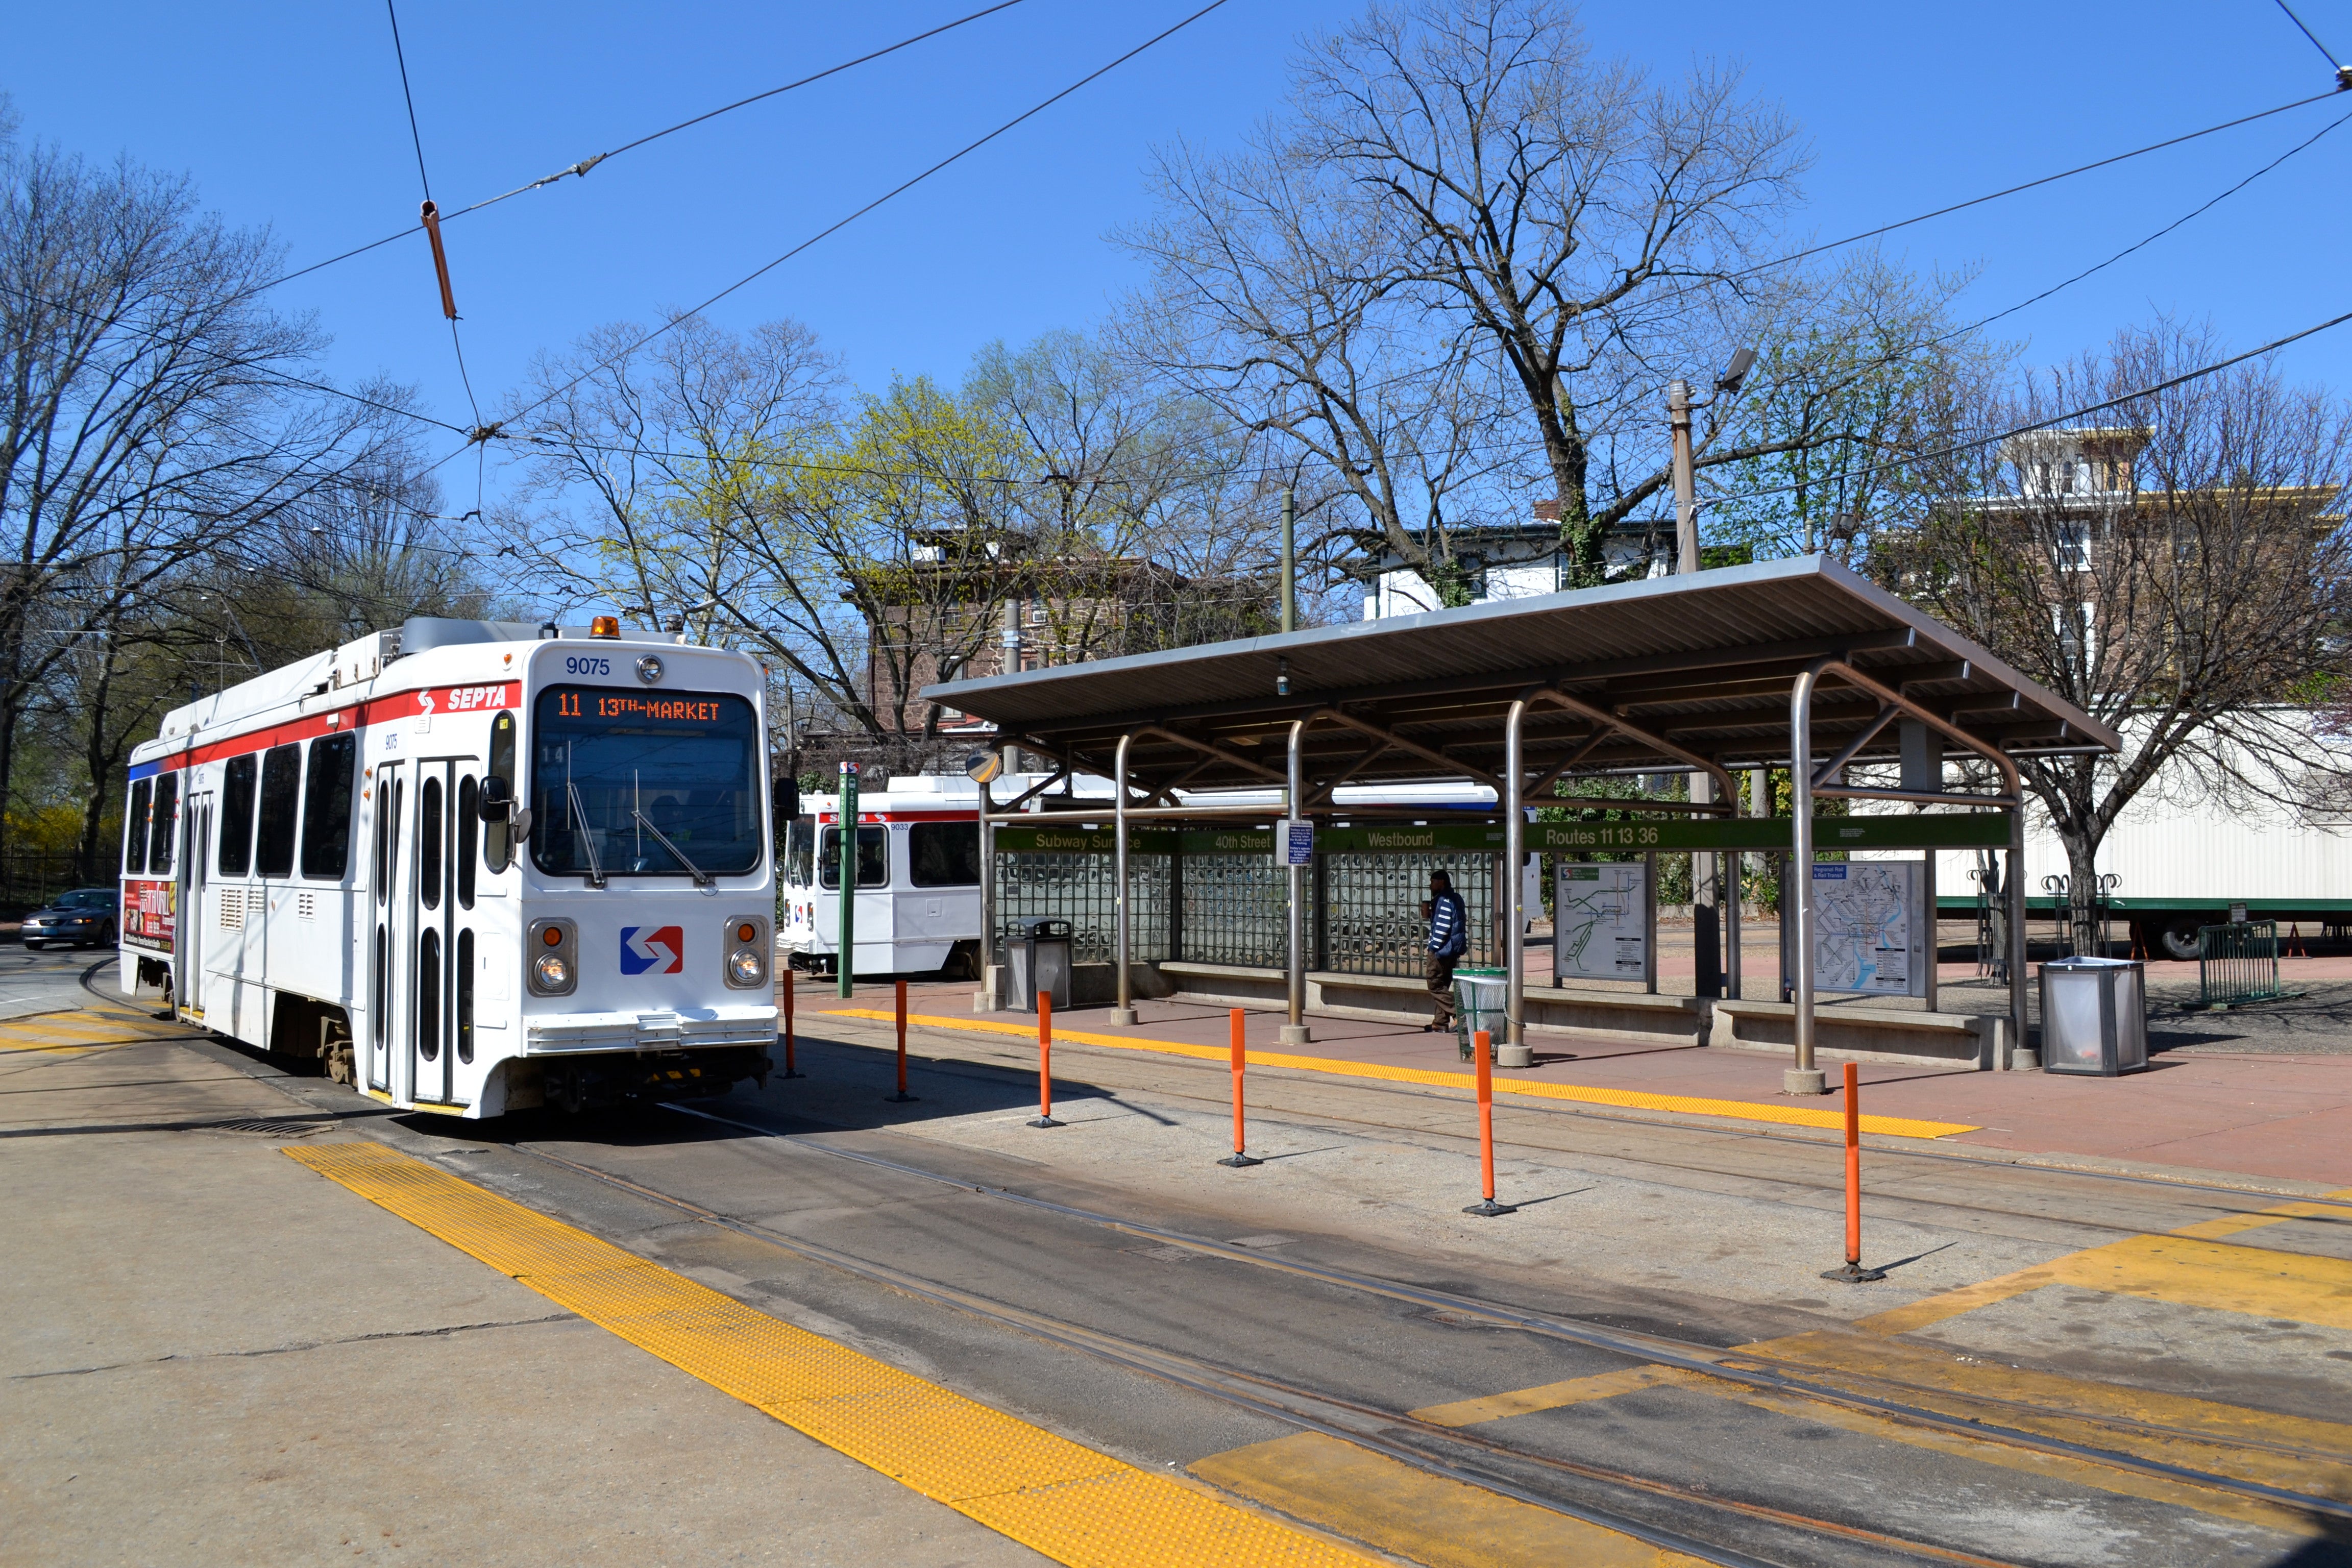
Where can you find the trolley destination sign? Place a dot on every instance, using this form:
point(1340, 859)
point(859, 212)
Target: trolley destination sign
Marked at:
point(1966, 830)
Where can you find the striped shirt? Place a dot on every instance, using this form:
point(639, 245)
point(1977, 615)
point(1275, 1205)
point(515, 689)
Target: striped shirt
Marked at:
point(1449, 928)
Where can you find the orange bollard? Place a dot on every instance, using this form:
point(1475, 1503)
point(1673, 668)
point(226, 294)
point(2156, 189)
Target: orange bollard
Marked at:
point(791, 1068)
point(902, 1097)
point(1239, 1159)
point(1044, 1117)
point(1853, 1273)
point(1482, 1047)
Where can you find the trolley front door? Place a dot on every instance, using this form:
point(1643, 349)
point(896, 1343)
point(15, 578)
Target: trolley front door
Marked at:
point(431, 951)
point(389, 928)
point(189, 928)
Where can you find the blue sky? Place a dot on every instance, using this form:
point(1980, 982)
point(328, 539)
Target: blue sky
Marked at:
point(292, 116)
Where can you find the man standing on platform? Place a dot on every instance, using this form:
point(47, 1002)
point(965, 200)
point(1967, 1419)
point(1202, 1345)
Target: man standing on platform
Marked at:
point(1449, 939)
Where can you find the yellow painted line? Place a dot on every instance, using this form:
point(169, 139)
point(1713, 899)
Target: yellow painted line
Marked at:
point(1426, 1518)
point(46, 1050)
point(1060, 1498)
point(1624, 1098)
point(2203, 1434)
point(1550, 1397)
point(1988, 1291)
point(1936, 1381)
point(2232, 1225)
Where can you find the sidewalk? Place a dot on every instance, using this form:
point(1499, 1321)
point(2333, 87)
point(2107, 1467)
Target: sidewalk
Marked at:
point(2273, 1115)
point(213, 1356)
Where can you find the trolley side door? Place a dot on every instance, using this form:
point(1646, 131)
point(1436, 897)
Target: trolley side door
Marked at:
point(387, 932)
point(431, 949)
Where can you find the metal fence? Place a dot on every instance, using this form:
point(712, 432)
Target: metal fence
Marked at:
point(1363, 914)
point(2237, 964)
point(29, 881)
point(1370, 909)
point(1081, 889)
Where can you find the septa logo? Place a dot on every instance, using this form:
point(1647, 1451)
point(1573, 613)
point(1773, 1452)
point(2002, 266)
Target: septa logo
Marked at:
point(661, 949)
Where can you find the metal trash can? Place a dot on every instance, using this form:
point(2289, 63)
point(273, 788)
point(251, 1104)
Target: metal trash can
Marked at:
point(1480, 997)
point(1041, 961)
point(2093, 1015)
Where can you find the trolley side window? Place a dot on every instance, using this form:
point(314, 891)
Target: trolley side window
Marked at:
point(327, 807)
point(134, 829)
point(873, 857)
point(943, 854)
point(498, 837)
point(469, 819)
point(165, 821)
point(281, 799)
point(238, 780)
point(800, 852)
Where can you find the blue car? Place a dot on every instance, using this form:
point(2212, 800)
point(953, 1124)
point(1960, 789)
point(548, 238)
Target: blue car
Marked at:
point(84, 917)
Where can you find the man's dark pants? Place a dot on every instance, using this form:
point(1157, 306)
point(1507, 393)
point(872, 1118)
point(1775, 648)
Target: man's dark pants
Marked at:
point(1441, 986)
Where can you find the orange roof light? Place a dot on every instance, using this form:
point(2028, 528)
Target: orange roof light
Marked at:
point(606, 627)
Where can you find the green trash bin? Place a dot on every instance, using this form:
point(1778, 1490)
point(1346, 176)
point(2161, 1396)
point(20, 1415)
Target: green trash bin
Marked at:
point(1479, 997)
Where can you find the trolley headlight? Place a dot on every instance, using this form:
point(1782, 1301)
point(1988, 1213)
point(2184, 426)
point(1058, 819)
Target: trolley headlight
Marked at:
point(554, 949)
point(747, 945)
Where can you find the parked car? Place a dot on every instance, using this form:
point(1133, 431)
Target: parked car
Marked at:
point(85, 917)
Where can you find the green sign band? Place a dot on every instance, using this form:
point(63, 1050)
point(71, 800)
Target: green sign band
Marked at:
point(1971, 830)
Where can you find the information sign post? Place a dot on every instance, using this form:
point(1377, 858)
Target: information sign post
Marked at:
point(847, 966)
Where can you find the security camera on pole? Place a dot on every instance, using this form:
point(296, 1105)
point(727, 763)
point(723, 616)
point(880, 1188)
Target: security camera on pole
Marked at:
point(1707, 940)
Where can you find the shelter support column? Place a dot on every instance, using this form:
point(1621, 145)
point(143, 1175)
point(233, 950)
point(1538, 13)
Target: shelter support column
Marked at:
point(1122, 916)
point(1803, 1076)
point(2014, 887)
point(1294, 1029)
point(1706, 926)
point(1514, 1051)
point(988, 1001)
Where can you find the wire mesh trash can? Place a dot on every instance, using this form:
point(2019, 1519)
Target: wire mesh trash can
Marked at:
point(1479, 997)
point(2093, 1015)
point(1041, 962)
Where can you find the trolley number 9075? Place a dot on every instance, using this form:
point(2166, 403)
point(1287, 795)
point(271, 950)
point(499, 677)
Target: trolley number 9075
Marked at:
point(575, 665)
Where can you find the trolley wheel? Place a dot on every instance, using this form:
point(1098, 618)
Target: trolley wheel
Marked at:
point(2180, 939)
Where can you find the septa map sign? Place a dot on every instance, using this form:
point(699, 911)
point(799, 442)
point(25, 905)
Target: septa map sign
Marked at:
point(1869, 928)
point(1600, 921)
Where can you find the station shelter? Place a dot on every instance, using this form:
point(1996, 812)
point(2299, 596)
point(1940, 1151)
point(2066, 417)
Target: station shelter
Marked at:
point(1277, 802)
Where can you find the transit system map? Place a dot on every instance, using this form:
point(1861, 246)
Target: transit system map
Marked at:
point(1600, 926)
point(1865, 928)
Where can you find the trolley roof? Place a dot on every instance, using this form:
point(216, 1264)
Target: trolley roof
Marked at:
point(1702, 664)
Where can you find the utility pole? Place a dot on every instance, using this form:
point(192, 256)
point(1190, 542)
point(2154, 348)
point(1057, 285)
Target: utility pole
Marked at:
point(1706, 942)
point(1289, 559)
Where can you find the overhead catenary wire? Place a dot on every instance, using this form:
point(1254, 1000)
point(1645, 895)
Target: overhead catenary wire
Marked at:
point(2056, 419)
point(891, 194)
point(2324, 52)
point(584, 164)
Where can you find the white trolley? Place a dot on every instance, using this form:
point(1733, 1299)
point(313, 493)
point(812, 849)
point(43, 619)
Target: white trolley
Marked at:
point(472, 866)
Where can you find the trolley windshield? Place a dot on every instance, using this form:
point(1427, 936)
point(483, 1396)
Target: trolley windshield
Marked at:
point(644, 783)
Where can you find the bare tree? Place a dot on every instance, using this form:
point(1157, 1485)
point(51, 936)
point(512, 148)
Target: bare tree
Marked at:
point(1473, 238)
point(147, 411)
point(638, 455)
point(2175, 565)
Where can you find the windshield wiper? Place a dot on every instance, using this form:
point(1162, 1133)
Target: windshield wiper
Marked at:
point(587, 834)
point(702, 878)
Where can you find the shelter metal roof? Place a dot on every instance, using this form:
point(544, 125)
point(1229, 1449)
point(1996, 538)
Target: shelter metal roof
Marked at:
point(1704, 663)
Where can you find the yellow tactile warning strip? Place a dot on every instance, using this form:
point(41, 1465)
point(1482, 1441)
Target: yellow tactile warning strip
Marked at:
point(1624, 1098)
point(1060, 1498)
point(1428, 1519)
point(71, 1031)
